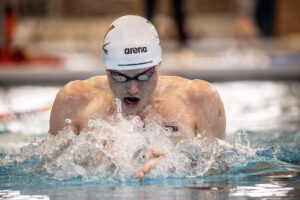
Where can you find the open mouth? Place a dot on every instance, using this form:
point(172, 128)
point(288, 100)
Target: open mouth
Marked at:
point(131, 101)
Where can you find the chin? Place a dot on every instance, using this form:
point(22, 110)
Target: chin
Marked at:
point(129, 111)
point(132, 111)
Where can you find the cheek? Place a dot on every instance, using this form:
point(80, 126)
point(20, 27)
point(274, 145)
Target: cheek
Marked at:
point(115, 87)
point(118, 90)
point(148, 87)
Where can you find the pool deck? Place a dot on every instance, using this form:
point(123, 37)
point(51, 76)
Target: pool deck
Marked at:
point(211, 59)
point(58, 77)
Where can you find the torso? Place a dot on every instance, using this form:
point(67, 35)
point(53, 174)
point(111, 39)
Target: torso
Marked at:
point(170, 100)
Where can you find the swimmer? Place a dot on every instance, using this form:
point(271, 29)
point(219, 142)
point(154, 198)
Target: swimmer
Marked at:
point(132, 57)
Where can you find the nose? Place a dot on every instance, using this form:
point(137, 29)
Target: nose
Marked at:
point(132, 87)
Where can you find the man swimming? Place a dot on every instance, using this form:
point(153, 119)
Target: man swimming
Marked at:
point(132, 57)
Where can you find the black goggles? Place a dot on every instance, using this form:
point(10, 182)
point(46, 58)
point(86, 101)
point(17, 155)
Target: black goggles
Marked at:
point(122, 78)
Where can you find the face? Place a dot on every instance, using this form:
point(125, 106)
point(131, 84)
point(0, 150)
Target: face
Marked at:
point(133, 87)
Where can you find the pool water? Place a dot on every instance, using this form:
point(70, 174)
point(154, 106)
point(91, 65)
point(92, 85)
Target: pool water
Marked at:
point(259, 158)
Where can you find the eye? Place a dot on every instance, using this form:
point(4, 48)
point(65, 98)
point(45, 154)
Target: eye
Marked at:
point(144, 77)
point(119, 78)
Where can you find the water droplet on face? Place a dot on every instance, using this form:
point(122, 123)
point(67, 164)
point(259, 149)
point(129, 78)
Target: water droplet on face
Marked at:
point(117, 105)
point(92, 123)
point(68, 121)
point(118, 108)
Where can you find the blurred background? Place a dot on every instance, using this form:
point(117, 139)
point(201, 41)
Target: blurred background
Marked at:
point(245, 47)
point(64, 37)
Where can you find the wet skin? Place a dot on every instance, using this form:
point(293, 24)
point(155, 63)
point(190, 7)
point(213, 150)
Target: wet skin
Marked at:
point(191, 106)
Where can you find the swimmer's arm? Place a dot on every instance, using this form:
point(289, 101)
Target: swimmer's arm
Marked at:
point(156, 153)
point(208, 109)
point(67, 104)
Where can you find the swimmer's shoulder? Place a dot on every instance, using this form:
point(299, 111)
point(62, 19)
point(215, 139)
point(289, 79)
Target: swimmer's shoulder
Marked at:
point(68, 102)
point(198, 85)
point(203, 102)
point(207, 109)
point(82, 88)
point(178, 81)
point(72, 100)
point(77, 93)
point(195, 88)
point(167, 84)
point(174, 79)
point(97, 82)
point(202, 90)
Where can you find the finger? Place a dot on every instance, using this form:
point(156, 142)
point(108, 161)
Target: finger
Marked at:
point(157, 152)
point(149, 165)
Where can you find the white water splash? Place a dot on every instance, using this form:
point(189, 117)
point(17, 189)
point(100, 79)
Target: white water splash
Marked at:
point(120, 146)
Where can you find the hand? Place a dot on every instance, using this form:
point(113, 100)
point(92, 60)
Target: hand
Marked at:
point(156, 153)
point(108, 144)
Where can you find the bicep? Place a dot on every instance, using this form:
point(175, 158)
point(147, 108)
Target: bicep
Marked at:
point(62, 114)
point(217, 118)
point(210, 118)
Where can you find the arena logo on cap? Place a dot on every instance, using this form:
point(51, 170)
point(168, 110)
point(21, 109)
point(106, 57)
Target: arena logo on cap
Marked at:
point(135, 50)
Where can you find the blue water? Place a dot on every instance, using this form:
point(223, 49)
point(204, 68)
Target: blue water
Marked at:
point(256, 168)
point(261, 161)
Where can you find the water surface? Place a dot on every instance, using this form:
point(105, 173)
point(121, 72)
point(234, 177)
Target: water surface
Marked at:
point(259, 158)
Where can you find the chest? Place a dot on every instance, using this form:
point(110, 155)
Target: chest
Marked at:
point(174, 114)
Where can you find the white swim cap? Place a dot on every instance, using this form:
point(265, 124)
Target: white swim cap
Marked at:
point(131, 42)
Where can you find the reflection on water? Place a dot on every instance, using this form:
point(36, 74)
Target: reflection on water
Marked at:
point(24, 112)
point(165, 190)
point(25, 109)
point(10, 195)
point(261, 105)
point(261, 190)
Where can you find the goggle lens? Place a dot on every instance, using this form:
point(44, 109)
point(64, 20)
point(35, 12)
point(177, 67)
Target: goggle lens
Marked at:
point(144, 77)
point(121, 78)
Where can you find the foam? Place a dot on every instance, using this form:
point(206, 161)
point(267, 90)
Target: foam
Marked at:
point(117, 148)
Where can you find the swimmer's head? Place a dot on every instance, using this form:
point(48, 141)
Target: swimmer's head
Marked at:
point(131, 42)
